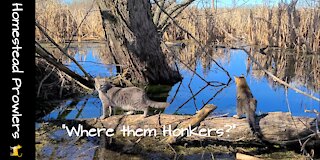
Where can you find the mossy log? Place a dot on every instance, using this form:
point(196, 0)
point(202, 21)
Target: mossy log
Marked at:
point(276, 127)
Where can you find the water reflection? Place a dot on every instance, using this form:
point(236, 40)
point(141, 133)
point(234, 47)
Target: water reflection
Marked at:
point(301, 70)
point(193, 92)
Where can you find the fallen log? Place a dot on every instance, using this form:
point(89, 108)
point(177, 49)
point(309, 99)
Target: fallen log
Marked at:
point(275, 127)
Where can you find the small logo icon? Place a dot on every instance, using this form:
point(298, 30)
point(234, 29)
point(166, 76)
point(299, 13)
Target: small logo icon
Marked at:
point(15, 151)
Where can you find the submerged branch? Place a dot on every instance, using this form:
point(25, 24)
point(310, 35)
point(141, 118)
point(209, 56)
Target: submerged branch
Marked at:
point(219, 91)
point(44, 78)
point(176, 92)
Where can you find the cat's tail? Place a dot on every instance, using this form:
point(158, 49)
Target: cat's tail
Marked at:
point(154, 104)
point(250, 114)
point(252, 120)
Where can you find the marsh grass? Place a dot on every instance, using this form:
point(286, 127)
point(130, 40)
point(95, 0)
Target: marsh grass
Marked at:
point(284, 26)
point(64, 21)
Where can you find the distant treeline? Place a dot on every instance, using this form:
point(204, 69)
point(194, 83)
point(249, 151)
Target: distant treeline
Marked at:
point(283, 25)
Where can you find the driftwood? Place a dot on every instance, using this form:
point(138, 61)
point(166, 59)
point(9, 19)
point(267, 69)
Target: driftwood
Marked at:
point(275, 127)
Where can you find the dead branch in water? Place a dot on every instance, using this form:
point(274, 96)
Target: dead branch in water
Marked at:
point(63, 51)
point(79, 79)
point(200, 90)
point(275, 78)
point(44, 78)
point(189, 34)
point(278, 79)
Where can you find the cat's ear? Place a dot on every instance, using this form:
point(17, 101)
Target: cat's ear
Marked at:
point(96, 83)
point(237, 77)
point(96, 80)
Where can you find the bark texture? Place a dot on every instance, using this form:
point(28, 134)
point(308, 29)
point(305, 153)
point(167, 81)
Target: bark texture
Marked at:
point(134, 42)
point(275, 127)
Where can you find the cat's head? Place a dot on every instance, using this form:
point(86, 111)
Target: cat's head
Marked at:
point(240, 81)
point(102, 84)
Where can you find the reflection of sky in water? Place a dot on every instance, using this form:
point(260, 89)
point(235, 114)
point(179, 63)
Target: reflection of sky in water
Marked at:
point(92, 64)
point(69, 147)
point(269, 99)
point(87, 107)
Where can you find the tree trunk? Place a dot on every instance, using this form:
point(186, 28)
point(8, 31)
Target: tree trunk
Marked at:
point(134, 42)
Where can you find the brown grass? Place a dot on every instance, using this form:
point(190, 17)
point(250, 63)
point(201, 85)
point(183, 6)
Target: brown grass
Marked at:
point(282, 26)
point(61, 21)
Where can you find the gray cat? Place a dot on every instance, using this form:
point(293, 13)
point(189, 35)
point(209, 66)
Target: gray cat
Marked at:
point(130, 99)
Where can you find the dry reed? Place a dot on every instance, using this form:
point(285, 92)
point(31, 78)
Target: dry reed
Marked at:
point(64, 22)
point(284, 25)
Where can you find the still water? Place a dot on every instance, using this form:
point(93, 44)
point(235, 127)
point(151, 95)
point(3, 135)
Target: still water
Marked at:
point(192, 93)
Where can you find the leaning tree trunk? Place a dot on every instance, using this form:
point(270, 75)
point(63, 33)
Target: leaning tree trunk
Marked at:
point(134, 42)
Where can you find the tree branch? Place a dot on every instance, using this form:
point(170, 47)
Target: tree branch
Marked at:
point(157, 12)
point(197, 41)
point(63, 51)
point(80, 80)
point(172, 9)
